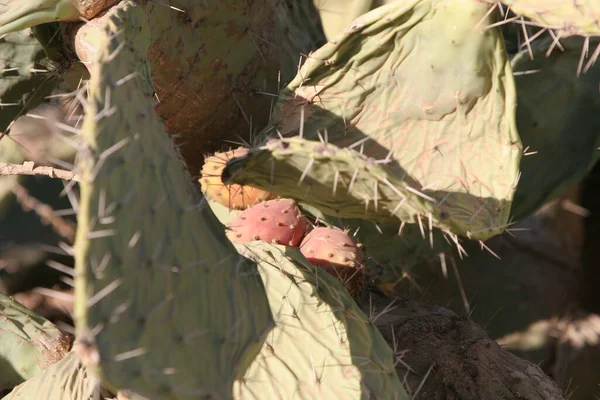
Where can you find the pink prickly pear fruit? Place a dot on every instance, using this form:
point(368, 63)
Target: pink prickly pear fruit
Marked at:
point(337, 253)
point(234, 196)
point(278, 221)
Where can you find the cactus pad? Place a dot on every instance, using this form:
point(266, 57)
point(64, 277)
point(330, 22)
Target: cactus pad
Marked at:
point(277, 221)
point(65, 380)
point(448, 129)
point(337, 253)
point(19, 14)
point(580, 17)
point(26, 76)
point(236, 197)
point(210, 62)
point(553, 104)
point(323, 346)
point(347, 184)
point(336, 15)
point(165, 306)
point(29, 345)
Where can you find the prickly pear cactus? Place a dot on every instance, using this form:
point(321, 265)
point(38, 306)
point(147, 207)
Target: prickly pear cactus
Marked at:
point(554, 103)
point(17, 14)
point(300, 30)
point(212, 83)
point(445, 132)
point(164, 304)
point(579, 17)
point(65, 380)
point(336, 15)
point(26, 75)
point(342, 182)
point(29, 345)
point(323, 346)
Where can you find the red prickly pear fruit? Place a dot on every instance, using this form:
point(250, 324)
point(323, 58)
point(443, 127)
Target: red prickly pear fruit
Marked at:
point(234, 196)
point(278, 221)
point(337, 253)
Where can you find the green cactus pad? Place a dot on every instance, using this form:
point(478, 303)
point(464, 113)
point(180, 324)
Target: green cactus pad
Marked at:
point(559, 122)
point(347, 184)
point(423, 85)
point(19, 14)
point(223, 214)
point(323, 346)
point(300, 30)
point(26, 76)
point(336, 15)
point(29, 345)
point(581, 17)
point(65, 380)
point(165, 306)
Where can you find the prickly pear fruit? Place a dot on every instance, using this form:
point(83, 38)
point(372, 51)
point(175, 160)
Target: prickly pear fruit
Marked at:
point(234, 196)
point(336, 252)
point(278, 221)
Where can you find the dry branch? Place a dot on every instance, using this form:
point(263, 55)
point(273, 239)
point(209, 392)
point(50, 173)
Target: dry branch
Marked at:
point(64, 228)
point(29, 168)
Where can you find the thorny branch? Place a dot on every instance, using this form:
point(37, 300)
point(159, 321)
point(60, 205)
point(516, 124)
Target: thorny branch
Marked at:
point(29, 168)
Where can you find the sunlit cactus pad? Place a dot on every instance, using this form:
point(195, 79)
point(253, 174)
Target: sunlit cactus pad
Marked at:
point(571, 17)
point(323, 346)
point(347, 184)
point(165, 306)
point(427, 87)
